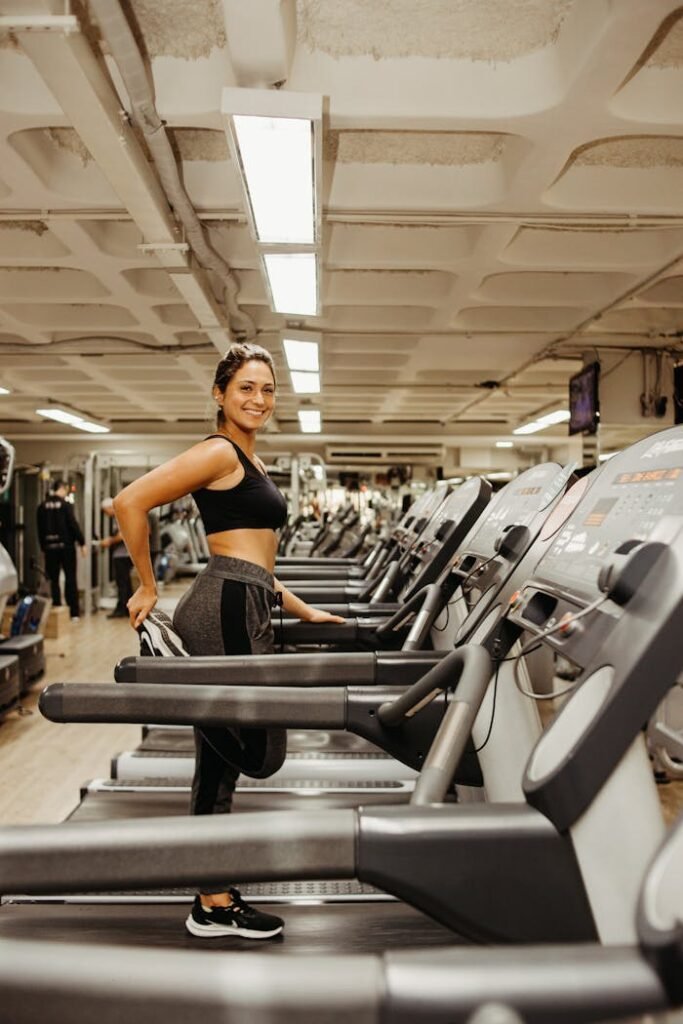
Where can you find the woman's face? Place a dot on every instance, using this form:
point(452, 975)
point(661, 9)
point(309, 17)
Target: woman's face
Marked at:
point(249, 398)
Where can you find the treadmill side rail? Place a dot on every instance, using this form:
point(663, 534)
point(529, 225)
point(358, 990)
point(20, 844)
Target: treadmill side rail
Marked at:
point(59, 983)
point(251, 670)
point(575, 984)
point(195, 705)
point(391, 668)
point(487, 871)
point(160, 852)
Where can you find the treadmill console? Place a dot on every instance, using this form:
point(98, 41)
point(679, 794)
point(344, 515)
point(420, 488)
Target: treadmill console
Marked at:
point(608, 596)
point(507, 528)
point(421, 512)
point(444, 532)
point(636, 497)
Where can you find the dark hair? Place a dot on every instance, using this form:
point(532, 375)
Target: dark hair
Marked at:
point(57, 484)
point(233, 360)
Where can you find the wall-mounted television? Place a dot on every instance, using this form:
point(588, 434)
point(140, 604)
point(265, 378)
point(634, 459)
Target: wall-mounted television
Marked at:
point(584, 401)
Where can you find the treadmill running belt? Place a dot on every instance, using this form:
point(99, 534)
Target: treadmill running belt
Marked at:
point(177, 741)
point(319, 930)
point(297, 756)
point(332, 891)
point(142, 784)
point(160, 804)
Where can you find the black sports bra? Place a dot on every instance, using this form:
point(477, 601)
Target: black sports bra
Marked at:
point(254, 503)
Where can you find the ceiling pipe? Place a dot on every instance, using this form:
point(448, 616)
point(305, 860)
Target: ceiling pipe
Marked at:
point(84, 91)
point(134, 73)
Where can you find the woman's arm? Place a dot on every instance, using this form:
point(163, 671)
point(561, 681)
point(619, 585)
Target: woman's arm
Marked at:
point(199, 466)
point(295, 606)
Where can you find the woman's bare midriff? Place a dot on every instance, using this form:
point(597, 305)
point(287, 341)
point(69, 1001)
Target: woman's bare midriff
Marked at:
point(257, 546)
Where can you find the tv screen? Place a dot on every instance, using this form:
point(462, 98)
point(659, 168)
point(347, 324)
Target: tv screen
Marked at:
point(584, 404)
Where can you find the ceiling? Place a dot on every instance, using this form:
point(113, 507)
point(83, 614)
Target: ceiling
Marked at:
point(502, 196)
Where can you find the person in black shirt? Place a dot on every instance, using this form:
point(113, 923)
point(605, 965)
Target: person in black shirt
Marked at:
point(58, 535)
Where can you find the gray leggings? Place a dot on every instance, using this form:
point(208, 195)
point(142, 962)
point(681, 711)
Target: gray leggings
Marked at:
point(227, 610)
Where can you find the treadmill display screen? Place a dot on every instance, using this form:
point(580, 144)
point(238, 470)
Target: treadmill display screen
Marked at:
point(637, 496)
point(649, 476)
point(519, 503)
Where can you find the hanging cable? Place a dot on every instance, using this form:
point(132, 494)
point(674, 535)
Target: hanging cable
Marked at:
point(124, 49)
point(462, 595)
point(532, 644)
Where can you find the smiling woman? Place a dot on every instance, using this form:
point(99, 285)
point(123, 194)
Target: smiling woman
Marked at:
point(227, 610)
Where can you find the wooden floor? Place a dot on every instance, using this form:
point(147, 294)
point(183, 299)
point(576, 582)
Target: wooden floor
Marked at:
point(43, 764)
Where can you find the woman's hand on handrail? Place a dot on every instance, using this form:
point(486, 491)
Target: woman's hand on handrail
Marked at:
point(319, 615)
point(141, 604)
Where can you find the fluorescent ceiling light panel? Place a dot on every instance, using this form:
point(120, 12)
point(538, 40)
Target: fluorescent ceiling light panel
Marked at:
point(60, 415)
point(309, 420)
point(4, 391)
point(92, 428)
point(71, 419)
point(549, 420)
point(276, 154)
point(505, 444)
point(301, 355)
point(528, 428)
point(305, 383)
point(293, 280)
point(276, 136)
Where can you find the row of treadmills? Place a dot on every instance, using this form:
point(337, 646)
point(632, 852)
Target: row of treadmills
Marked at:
point(436, 853)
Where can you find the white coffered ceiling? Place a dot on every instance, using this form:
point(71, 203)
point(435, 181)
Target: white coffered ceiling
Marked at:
point(502, 193)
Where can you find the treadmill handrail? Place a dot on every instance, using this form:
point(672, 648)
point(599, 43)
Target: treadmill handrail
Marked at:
point(471, 662)
point(537, 982)
point(401, 614)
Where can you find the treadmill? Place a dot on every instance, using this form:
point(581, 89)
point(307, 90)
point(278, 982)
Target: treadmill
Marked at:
point(504, 530)
point(563, 866)
point(450, 521)
point(338, 768)
point(494, 985)
point(410, 524)
point(518, 513)
point(332, 532)
point(373, 768)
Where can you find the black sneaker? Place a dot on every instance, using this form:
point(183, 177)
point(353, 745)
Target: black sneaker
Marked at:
point(237, 919)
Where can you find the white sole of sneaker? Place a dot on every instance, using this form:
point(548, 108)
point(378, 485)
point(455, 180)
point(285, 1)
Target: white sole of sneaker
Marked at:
point(211, 931)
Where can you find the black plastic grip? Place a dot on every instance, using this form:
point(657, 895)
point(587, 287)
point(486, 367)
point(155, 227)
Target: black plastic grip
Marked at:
point(471, 660)
point(402, 613)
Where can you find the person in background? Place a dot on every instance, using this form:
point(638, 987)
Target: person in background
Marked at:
point(121, 563)
point(58, 536)
point(227, 610)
